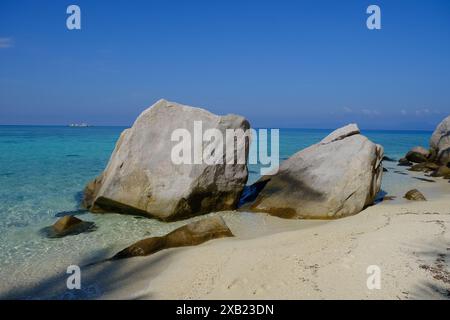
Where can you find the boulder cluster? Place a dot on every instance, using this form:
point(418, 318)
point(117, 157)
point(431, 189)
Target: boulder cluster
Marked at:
point(336, 177)
point(435, 161)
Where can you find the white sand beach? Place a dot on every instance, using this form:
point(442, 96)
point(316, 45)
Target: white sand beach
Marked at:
point(274, 258)
point(300, 259)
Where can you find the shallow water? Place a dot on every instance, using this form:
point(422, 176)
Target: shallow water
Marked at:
point(44, 169)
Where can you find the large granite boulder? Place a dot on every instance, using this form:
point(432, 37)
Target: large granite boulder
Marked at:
point(440, 139)
point(141, 177)
point(336, 177)
point(189, 235)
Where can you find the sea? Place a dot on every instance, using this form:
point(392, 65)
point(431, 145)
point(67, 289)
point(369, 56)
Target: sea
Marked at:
point(43, 170)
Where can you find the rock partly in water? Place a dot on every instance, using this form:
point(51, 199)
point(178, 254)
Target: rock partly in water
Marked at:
point(336, 177)
point(404, 162)
point(141, 178)
point(418, 155)
point(440, 140)
point(189, 235)
point(68, 225)
point(415, 195)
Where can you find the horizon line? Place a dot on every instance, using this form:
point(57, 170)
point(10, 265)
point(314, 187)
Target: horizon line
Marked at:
point(129, 126)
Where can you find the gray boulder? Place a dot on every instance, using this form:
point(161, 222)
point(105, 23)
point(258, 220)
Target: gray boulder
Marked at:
point(141, 177)
point(336, 177)
point(444, 157)
point(440, 140)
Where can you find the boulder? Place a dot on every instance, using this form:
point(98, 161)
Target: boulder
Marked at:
point(415, 195)
point(189, 235)
point(142, 179)
point(424, 166)
point(440, 140)
point(388, 159)
point(441, 171)
point(418, 155)
point(404, 162)
point(444, 157)
point(68, 225)
point(336, 177)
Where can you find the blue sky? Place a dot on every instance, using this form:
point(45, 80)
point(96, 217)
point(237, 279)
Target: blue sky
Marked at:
point(307, 64)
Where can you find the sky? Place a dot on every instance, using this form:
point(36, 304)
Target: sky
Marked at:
point(281, 64)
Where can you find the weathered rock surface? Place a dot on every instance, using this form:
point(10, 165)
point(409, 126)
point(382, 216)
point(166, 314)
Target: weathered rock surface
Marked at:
point(341, 133)
point(444, 157)
point(140, 177)
point(68, 225)
point(415, 195)
point(440, 140)
point(336, 177)
point(189, 235)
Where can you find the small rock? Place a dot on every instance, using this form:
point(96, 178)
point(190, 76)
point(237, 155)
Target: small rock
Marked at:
point(424, 179)
point(441, 171)
point(189, 235)
point(386, 158)
point(415, 195)
point(389, 198)
point(385, 170)
point(68, 225)
point(424, 166)
point(404, 162)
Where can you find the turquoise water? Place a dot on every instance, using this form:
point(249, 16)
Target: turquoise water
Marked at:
point(44, 169)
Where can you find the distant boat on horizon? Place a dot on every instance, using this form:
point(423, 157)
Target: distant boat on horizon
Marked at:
point(79, 125)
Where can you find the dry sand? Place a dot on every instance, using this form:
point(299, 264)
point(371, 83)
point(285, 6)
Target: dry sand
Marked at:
point(409, 241)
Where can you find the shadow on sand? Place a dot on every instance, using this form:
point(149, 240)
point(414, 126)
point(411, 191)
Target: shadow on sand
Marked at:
point(122, 279)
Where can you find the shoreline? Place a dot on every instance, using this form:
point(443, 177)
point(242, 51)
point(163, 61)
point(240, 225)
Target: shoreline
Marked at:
point(325, 260)
point(274, 258)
